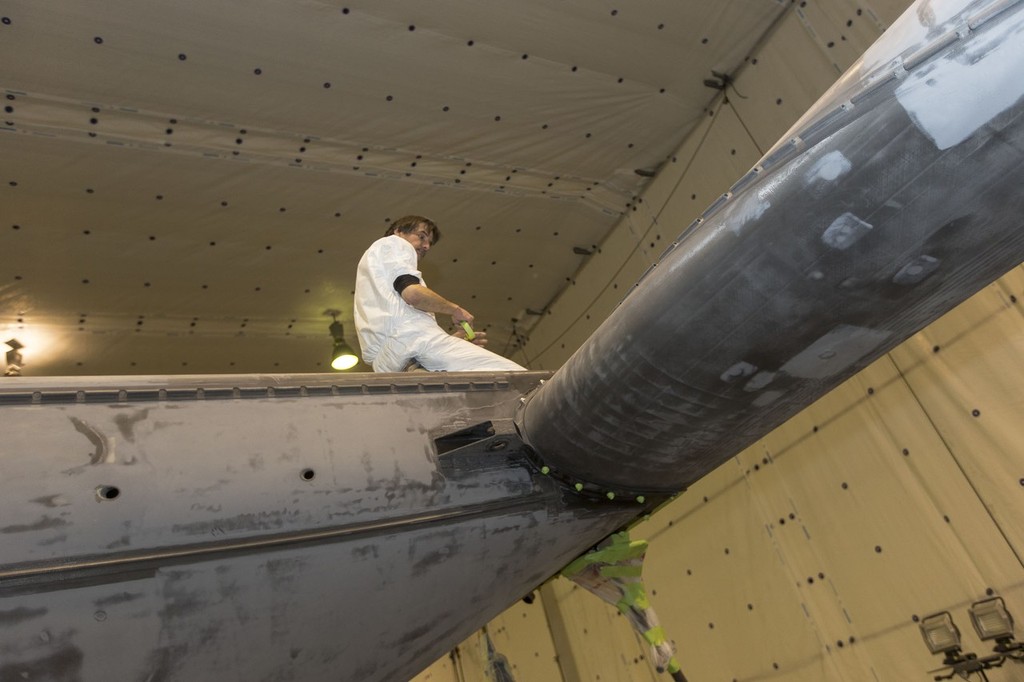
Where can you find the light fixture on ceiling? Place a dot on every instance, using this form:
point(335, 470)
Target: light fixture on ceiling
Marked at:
point(342, 355)
point(14, 359)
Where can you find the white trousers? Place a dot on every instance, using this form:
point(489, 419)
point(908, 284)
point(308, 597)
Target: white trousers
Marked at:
point(440, 352)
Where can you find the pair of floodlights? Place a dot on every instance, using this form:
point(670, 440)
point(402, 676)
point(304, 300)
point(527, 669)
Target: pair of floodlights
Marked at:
point(991, 621)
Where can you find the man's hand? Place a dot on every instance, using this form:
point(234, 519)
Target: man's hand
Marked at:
point(479, 338)
point(461, 315)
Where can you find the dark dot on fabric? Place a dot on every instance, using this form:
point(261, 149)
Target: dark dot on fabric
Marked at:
point(849, 22)
point(871, 391)
point(98, 40)
point(412, 27)
point(831, 43)
point(169, 131)
point(93, 121)
point(587, 135)
point(620, 80)
point(6, 21)
point(15, 227)
point(258, 71)
point(526, 56)
point(574, 69)
point(860, 12)
point(85, 281)
point(327, 85)
point(444, 108)
point(878, 549)
point(615, 12)
point(182, 56)
point(704, 41)
point(661, 91)
point(159, 197)
point(497, 118)
point(86, 232)
point(544, 127)
point(778, 101)
point(661, 26)
point(268, 247)
point(845, 486)
point(213, 243)
point(470, 43)
point(344, 10)
point(975, 413)
point(152, 238)
point(238, 140)
point(145, 284)
point(89, 190)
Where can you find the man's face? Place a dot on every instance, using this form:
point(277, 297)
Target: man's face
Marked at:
point(419, 238)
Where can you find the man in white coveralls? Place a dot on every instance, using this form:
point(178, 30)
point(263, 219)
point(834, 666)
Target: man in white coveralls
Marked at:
point(394, 309)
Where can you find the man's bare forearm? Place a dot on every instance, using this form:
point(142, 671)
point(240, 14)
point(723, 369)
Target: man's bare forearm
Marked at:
point(429, 301)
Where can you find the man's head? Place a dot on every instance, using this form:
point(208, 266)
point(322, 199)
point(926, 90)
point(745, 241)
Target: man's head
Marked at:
point(421, 232)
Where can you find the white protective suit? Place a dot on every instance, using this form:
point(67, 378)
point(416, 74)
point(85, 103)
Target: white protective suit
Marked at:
point(392, 332)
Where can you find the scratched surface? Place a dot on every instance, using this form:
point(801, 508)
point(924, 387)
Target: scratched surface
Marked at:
point(222, 557)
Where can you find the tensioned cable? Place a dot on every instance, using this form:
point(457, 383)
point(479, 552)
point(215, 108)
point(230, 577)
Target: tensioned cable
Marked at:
point(654, 223)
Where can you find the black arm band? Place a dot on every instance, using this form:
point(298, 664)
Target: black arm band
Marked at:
point(402, 281)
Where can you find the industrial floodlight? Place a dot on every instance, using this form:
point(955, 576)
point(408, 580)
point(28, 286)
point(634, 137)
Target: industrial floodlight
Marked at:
point(342, 355)
point(991, 619)
point(940, 633)
point(14, 358)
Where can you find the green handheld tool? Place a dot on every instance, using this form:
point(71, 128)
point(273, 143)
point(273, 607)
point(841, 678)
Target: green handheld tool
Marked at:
point(470, 334)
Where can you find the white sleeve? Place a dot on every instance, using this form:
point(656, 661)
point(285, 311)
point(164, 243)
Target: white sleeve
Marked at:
point(395, 258)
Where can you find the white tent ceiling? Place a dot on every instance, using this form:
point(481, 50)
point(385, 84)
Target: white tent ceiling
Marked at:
point(187, 186)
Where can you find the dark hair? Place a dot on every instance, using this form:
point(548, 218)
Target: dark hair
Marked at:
point(409, 223)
